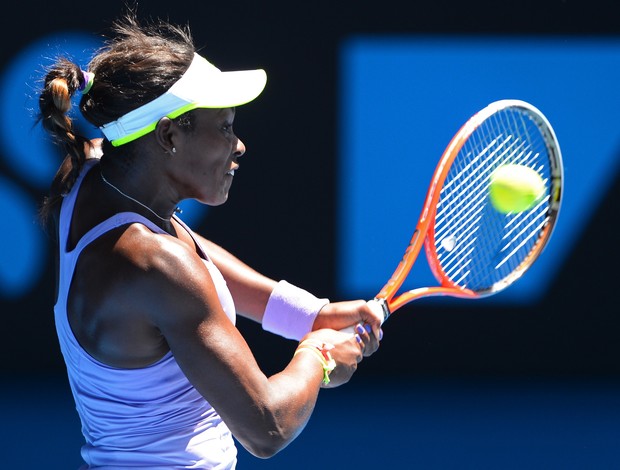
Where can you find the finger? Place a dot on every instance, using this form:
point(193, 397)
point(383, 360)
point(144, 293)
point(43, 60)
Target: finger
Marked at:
point(361, 335)
point(376, 314)
point(363, 332)
point(371, 348)
point(366, 339)
point(372, 344)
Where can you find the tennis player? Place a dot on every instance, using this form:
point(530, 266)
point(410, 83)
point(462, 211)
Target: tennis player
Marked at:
point(145, 308)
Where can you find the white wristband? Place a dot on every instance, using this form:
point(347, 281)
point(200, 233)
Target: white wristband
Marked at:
point(291, 311)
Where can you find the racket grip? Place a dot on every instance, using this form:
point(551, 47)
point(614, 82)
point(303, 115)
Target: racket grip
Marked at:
point(379, 306)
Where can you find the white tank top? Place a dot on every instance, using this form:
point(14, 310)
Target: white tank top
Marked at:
point(150, 417)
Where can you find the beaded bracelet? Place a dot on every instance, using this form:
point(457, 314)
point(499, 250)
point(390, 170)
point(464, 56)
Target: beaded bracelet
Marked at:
point(321, 352)
point(290, 311)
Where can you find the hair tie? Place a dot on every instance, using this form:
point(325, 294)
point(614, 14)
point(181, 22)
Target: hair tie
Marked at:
point(87, 82)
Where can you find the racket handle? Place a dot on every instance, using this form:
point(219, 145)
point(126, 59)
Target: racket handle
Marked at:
point(379, 306)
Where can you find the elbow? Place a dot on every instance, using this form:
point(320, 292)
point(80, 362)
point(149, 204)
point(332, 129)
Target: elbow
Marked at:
point(262, 452)
point(267, 445)
point(272, 426)
point(268, 442)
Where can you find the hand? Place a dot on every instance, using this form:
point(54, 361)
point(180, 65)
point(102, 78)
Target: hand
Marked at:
point(340, 315)
point(347, 351)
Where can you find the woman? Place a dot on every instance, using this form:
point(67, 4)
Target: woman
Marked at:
point(145, 308)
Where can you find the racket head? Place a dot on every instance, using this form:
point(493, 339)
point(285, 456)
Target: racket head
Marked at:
point(472, 248)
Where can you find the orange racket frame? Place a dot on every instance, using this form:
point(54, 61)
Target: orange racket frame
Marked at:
point(424, 231)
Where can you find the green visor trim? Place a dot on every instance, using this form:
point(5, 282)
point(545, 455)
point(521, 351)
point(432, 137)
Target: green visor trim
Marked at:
point(202, 86)
point(151, 127)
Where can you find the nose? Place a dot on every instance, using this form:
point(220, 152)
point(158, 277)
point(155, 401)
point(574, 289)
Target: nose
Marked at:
point(240, 148)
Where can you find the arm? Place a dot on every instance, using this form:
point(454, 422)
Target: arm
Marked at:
point(249, 288)
point(251, 291)
point(264, 413)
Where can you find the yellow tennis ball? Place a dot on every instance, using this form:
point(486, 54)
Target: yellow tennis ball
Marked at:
point(515, 188)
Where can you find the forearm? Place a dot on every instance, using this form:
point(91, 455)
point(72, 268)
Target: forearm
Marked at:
point(280, 307)
point(284, 309)
point(249, 288)
point(264, 413)
point(289, 399)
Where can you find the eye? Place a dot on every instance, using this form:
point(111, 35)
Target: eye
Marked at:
point(227, 128)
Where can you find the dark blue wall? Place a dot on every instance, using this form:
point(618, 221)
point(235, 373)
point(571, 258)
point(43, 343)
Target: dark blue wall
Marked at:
point(281, 216)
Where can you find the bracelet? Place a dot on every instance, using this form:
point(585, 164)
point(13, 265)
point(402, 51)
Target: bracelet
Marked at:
point(290, 311)
point(321, 352)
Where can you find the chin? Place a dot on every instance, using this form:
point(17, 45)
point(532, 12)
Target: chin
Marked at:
point(214, 202)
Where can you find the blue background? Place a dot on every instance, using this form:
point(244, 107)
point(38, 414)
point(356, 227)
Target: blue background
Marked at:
point(403, 98)
point(529, 380)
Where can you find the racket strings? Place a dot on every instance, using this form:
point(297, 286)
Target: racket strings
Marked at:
point(476, 246)
point(529, 231)
point(455, 209)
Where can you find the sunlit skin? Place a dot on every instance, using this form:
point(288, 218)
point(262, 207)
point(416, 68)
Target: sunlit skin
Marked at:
point(137, 295)
point(207, 160)
point(179, 164)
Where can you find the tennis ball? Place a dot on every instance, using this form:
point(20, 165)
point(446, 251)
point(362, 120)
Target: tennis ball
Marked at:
point(515, 188)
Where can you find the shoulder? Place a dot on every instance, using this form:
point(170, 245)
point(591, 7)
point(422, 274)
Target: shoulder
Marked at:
point(133, 263)
point(149, 275)
point(171, 283)
point(154, 254)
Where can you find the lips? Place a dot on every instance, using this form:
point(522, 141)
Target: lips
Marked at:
point(231, 172)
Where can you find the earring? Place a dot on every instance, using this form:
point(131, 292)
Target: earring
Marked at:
point(174, 150)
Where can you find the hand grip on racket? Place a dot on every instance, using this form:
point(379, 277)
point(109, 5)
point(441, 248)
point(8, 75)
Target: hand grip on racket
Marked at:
point(472, 249)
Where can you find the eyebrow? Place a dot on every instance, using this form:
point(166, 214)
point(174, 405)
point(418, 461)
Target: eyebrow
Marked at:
point(221, 111)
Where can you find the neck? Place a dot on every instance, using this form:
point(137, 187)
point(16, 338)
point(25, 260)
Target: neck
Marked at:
point(135, 200)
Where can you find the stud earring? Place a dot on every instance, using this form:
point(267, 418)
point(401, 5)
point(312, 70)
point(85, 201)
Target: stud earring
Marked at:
point(174, 150)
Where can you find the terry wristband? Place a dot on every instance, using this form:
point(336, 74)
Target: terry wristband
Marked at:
point(291, 311)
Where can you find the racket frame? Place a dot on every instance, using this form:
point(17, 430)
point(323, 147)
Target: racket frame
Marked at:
point(387, 297)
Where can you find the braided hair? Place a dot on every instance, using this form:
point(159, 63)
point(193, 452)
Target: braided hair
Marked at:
point(135, 66)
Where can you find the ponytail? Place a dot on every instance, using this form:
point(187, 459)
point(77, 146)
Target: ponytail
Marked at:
point(62, 81)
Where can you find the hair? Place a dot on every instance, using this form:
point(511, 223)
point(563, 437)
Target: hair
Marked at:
point(135, 66)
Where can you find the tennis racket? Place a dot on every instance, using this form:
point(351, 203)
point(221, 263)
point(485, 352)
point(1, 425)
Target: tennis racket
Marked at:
point(472, 249)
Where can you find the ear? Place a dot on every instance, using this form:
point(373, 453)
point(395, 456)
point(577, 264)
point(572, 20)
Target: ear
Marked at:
point(165, 134)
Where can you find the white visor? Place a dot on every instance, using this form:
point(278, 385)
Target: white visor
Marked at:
point(202, 86)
